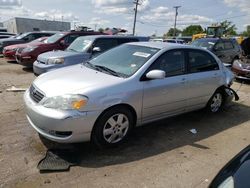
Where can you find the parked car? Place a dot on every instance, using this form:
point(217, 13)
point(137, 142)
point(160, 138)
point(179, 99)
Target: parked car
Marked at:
point(178, 41)
point(82, 49)
point(5, 36)
point(135, 83)
point(241, 68)
point(59, 41)
point(23, 38)
point(235, 174)
point(9, 52)
point(227, 50)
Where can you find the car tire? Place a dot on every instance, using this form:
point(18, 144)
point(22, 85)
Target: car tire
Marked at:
point(112, 127)
point(216, 102)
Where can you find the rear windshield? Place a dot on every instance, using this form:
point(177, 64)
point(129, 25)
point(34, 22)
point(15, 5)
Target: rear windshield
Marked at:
point(54, 38)
point(22, 36)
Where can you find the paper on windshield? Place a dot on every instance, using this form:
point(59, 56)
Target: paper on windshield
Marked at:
point(141, 54)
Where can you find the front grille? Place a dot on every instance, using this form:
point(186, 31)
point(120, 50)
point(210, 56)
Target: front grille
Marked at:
point(35, 94)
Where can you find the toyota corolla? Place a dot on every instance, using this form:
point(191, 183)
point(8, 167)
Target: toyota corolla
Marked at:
point(130, 85)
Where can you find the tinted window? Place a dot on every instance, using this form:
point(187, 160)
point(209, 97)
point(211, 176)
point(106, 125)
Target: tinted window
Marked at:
point(126, 40)
point(219, 46)
point(172, 62)
point(200, 61)
point(105, 44)
point(228, 45)
point(70, 38)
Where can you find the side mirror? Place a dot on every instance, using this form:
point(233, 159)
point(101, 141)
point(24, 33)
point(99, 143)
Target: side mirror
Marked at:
point(62, 42)
point(156, 74)
point(96, 49)
point(218, 48)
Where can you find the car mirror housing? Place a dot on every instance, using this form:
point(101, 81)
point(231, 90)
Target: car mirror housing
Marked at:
point(96, 49)
point(156, 74)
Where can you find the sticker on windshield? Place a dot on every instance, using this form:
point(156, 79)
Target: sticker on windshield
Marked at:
point(141, 54)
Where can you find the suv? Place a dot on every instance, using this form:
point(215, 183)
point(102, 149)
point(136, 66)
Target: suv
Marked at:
point(24, 38)
point(82, 49)
point(226, 49)
point(59, 41)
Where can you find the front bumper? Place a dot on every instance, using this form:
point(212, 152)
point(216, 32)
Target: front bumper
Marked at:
point(40, 68)
point(9, 55)
point(241, 74)
point(25, 59)
point(60, 126)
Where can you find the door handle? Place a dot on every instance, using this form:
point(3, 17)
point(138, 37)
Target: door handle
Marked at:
point(183, 80)
point(215, 75)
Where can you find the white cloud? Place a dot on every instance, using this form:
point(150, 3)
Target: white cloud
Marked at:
point(243, 5)
point(98, 21)
point(56, 15)
point(118, 6)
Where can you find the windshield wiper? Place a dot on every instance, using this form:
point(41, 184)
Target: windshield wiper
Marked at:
point(112, 72)
point(70, 49)
point(104, 69)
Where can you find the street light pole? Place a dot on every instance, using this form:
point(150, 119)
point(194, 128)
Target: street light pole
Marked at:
point(176, 14)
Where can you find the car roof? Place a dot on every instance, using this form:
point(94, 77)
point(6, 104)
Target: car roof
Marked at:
point(164, 45)
point(114, 36)
point(215, 39)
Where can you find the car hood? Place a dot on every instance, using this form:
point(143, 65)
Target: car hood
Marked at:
point(17, 46)
point(59, 54)
point(76, 79)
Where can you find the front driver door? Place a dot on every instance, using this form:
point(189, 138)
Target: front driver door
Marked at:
point(166, 97)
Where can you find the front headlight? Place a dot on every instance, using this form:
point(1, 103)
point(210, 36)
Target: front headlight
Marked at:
point(237, 65)
point(29, 49)
point(66, 102)
point(55, 61)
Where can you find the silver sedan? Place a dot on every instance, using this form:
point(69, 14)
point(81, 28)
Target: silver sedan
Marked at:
point(130, 85)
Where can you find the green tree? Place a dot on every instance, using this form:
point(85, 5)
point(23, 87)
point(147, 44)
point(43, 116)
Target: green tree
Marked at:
point(230, 28)
point(247, 32)
point(191, 30)
point(170, 33)
point(101, 30)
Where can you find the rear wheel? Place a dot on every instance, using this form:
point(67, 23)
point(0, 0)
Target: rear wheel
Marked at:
point(216, 102)
point(113, 127)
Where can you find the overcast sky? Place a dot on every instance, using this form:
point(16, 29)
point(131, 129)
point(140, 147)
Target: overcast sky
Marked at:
point(154, 16)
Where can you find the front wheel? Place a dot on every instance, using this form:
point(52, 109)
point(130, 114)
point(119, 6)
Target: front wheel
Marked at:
point(216, 102)
point(113, 127)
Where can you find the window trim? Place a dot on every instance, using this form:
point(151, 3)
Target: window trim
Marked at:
point(197, 50)
point(144, 78)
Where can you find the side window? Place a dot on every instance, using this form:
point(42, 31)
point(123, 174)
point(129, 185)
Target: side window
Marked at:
point(29, 37)
point(172, 62)
point(105, 44)
point(228, 45)
point(70, 38)
point(200, 61)
point(219, 46)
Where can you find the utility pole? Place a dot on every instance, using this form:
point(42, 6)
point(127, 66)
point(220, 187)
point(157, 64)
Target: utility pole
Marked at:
point(136, 6)
point(176, 14)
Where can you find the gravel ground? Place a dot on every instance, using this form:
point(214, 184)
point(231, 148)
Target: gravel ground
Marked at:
point(161, 154)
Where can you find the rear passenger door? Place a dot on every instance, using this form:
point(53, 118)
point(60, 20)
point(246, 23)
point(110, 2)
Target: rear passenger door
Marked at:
point(203, 78)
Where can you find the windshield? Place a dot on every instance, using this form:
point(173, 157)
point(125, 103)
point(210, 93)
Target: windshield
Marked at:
point(81, 44)
point(125, 59)
point(22, 36)
point(203, 43)
point(54, 38)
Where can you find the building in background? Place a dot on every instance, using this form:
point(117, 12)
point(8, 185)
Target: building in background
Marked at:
point(1, 24)
point(22, 25)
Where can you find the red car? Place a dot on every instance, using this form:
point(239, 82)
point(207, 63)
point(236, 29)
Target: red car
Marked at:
point(9, 52)
point(59, 41)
